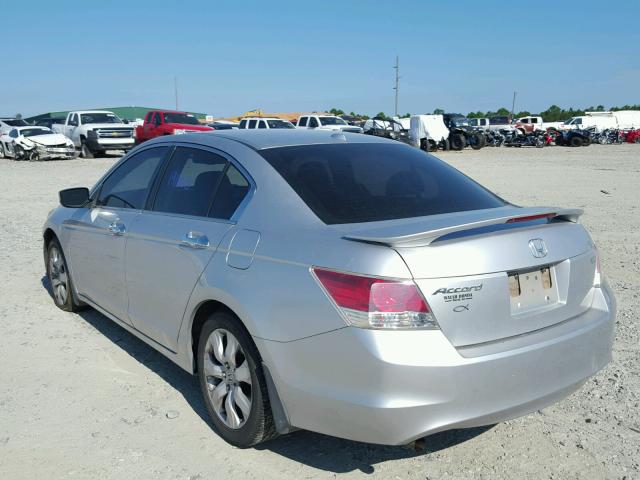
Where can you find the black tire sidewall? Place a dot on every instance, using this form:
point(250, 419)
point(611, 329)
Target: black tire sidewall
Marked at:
point(252, 431)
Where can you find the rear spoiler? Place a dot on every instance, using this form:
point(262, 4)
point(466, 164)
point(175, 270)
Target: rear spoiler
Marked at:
point(444, 227)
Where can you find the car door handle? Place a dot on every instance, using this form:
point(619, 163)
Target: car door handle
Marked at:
point(195, 240)
point(116, 228)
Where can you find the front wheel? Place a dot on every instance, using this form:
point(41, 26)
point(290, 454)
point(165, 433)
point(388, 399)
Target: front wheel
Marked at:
point(232, 382)
point(85, 152)
point(60, 278)
point(457, 141)
point(576, 142)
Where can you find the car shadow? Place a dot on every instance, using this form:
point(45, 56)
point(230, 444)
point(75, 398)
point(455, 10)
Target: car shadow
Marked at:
point(312, 449)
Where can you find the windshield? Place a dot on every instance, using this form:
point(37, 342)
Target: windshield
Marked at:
point(279, 124)
point(368, 182)
point(332, 121)
point(16, 122)
point(98, 117)
point(32, 132)
point(184, 118)
point(459, 121)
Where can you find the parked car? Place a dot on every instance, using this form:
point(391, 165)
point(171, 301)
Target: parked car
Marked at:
point(223, 125)
point(491, 124)
point(326, 122)
point(428, 132)
point(345, 284)
point(96, 131)
point(49, 122)
point(387, 128)
point(264, 122)
point(531, 123)
point(168, 122)
point(7, 123)
point(35, 143)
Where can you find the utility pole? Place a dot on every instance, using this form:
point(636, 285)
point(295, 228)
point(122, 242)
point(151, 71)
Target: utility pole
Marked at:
point(513, 104)
point(175, 88)
point(397, 68)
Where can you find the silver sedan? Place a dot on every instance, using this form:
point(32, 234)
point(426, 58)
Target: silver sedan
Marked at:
point(335, 282)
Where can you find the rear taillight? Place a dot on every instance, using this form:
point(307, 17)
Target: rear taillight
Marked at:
point(369, 302)
point(531, 218)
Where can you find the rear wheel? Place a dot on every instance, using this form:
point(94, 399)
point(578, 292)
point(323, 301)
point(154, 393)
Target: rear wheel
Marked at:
point(233, 383)
point(576, 142)
point(432, 146)
point(446, 146)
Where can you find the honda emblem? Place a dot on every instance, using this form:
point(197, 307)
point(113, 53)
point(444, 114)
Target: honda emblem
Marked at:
point(538, 247)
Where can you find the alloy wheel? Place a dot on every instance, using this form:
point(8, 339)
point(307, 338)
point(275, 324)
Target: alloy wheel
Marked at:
point(58, 276)
point(228, 378)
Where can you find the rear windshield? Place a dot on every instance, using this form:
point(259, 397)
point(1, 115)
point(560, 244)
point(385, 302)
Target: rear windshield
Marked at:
point(368, 182)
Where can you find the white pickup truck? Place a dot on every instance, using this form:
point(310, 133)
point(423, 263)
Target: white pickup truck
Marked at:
point(529, 124)
point(96, 131)
point(326, 122)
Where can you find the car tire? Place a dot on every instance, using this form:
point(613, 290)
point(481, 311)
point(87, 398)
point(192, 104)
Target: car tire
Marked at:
point(2, 155)
point(432, 146)
point(576, 142)
point(85, 152)
point(446, 146)
point(60, 279)
point(587, 142)
point(478, 141)
point(229, 380)
point(457, 141)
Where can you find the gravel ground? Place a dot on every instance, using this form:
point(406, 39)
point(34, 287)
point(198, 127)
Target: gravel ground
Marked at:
point(82, 398)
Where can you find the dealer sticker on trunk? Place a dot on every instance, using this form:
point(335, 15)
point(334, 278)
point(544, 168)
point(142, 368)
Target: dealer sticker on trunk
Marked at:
point(458, 294)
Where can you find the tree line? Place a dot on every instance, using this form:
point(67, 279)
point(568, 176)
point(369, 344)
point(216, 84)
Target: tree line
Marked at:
point(552, 114)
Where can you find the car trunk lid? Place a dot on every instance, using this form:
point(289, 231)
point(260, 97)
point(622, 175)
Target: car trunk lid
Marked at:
point(493, 274)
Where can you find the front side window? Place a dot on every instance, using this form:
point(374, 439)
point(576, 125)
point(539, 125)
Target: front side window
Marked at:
point(279, 124)
point(182, 118)
point(367, 182)
point(189, 182)
point(14, 133)
point(332, 121)
point(99, 117)
point(128, 186)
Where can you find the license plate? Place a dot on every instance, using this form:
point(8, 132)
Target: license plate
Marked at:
point(531, 290)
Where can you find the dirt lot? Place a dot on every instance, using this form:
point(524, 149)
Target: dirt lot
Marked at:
point(81, 398)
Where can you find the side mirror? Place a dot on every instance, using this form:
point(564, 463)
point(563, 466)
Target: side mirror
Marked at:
point(74, 197)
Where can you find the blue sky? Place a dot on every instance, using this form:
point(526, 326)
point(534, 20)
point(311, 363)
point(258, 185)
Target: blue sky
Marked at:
point(230, 57)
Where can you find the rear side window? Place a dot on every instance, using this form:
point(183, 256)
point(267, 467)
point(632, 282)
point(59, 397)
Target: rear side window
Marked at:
point(313, 123)
point(302, 122)
point(252, 124)
point(189, 182)
point(367, 182)
point(233, 188)
point(261, 124)
point(128, 186)
point(243, 124)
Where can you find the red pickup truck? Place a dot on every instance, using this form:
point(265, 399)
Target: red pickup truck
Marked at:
point(168, 122)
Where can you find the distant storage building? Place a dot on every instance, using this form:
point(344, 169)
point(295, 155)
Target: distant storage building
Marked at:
point(126, 113)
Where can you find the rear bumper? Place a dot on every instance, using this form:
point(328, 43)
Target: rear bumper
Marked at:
point(391, 387)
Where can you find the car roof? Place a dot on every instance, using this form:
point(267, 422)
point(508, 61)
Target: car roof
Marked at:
point(260, 139)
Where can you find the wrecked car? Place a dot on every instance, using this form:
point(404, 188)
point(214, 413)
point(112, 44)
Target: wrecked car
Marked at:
point(35, 143)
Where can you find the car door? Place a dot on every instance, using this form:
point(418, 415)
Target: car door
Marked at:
point(97, 236)
point(70, 128)
point(170, 245)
